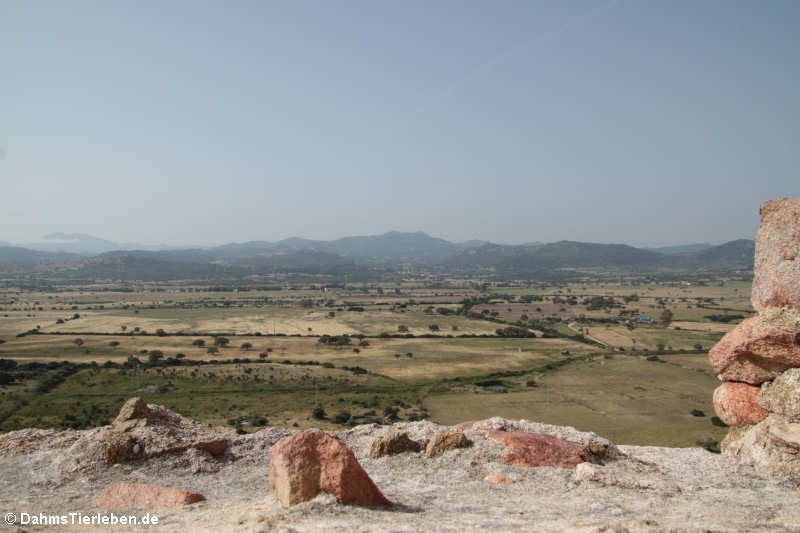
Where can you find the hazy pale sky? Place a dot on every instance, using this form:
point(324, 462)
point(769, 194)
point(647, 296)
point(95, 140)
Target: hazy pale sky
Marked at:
point(193, 122)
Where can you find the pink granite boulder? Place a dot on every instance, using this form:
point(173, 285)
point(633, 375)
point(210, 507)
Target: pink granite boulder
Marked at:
point(776, 274)
point(736, 404)
point(757, 350)
point(311, 461)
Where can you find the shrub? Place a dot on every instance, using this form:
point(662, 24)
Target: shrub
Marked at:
point(697, 412)
point(318, 413)
point(342, 417)
point(709, 444)
point(221, 341)
point(717, 421)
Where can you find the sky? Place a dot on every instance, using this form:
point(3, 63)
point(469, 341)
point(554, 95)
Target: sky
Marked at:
point(195, 122)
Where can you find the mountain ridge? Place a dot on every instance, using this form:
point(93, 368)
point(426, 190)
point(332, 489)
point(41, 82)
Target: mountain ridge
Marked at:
point(392, 249)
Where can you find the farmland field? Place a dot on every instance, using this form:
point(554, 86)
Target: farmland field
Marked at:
point(597, 356)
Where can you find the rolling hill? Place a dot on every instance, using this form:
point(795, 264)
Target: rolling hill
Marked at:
point(350, 254)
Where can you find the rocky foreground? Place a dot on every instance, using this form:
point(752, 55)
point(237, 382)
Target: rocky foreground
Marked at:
point(480, 476)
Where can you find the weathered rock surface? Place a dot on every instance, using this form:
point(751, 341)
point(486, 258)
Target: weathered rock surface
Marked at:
point(124, 495)
point(141, 431)
point(786, 434)
point(446, 440)
point(638, 489)
point(759, 348)
point(771, 447)
point(630, 474)
point(782, 396)
point(306, 463)
point(736, 405)
point(392, 444)
point(776, 274)
point(534, 449)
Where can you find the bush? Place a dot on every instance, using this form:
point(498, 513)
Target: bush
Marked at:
point(221, 341)
point(697, 412)
point(709, 444)
point(342, 417)
point(318, 413)
point(717, 421)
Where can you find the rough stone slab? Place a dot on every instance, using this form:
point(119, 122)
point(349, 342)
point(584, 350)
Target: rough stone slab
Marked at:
point(759, 348)
point(776, 273)
point(534, 449)
point(392, 444)
point(124, 495)
point(786, 434)
point(446, 440)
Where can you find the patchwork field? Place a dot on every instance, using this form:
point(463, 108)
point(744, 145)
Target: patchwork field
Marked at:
point(571, 354)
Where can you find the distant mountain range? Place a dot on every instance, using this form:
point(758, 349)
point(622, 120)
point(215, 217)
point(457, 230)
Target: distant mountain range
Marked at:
point(568, 254)
point(681, 248)
point(387, 251)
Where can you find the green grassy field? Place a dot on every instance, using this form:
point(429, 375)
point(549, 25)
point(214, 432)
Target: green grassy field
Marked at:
point(627, 399)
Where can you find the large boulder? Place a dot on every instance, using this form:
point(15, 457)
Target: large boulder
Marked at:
point(535, 449)
point(759, 348)
point(776, 274)
point(736, 404)
point(124, 495)
point(302, 465)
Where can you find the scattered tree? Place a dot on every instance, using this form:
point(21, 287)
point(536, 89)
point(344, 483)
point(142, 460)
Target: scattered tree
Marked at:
point(221, 341)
